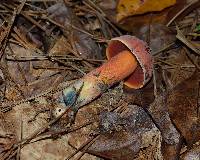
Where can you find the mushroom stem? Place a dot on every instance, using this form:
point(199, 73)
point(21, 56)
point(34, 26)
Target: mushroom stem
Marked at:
point(99, 80)
point(116, 69)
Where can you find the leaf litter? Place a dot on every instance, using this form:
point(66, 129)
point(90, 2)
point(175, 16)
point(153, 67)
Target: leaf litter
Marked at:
point(46, 45)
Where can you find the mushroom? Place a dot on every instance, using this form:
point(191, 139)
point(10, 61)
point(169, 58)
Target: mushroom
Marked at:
point(129, 59)
point(140, 52)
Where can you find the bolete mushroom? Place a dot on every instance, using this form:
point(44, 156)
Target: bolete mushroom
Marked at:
point(129, 59)
point(140, 52)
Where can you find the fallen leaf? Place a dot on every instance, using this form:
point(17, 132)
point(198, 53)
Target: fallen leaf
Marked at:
point(138, 139)
point(183, 108)
point(133, 22)
point(127, 8)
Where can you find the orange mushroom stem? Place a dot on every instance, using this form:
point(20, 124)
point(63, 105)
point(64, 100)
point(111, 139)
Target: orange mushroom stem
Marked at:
point(129, 59)
point(116, 69)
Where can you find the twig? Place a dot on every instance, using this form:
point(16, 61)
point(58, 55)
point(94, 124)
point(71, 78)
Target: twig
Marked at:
point(92, 5)
point(37, 113)
point(21, 136)
point(19, 67)
point(64, 28)
point(83, 147)
point(3, 46)
point(181, 11)
point(182, 38)
point(68, 109)
point(92, 11)
point(86, 147)
point(8, 106)
point(191, 59)
point(154, 82)
point(198, 101)
point(60, 57)
point(21, 6)
point(35, 23)
point(103, 26)
point(193, 34)
point(62, 131)
point(64, 63)
point(54, 68)
point(163, 49)
point(42, 129)
point(74, 49)
point(195, 21)
point(15, 12)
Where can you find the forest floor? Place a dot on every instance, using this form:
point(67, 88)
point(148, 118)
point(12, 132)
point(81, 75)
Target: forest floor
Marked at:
point(46, 45)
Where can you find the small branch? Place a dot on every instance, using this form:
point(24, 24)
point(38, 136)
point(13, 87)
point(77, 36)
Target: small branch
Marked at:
point(181, 11)
point(183, 39)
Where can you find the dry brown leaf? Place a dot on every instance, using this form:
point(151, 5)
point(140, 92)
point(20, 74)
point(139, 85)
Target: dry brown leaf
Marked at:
point(183, 108)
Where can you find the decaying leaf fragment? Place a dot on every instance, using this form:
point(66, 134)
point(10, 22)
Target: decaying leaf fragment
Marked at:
point(138, 138)
point(127, 8)
point(183, 108)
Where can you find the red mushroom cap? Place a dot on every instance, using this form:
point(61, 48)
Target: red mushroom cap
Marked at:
point(141, 51)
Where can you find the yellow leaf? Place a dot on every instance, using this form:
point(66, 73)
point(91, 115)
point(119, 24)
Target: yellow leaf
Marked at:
point(127, 8)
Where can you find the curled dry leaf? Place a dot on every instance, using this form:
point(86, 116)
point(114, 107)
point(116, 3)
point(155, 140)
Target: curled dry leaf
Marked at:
point(145, 16)
point(127, 8)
